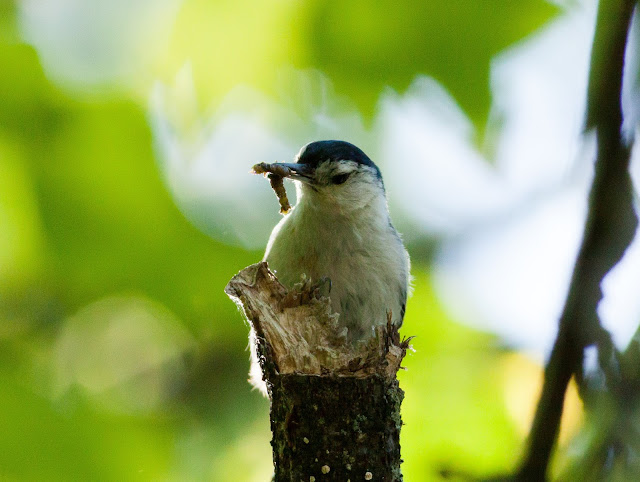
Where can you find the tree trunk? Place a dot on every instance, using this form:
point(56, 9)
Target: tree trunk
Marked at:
point(335, 405)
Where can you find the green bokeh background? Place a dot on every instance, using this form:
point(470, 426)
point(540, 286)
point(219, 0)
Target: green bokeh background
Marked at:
point(120, 356)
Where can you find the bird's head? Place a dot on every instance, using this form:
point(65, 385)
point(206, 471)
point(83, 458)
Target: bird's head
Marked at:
point(336, 174)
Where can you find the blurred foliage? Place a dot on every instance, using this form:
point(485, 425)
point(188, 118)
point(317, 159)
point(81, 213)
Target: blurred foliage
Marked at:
point(608, 445)
point(363, 47)
point(120, 356)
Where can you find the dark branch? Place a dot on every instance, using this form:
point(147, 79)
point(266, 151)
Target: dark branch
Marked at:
point(610, 228)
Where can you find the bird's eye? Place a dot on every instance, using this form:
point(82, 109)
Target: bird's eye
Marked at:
point(339, 179)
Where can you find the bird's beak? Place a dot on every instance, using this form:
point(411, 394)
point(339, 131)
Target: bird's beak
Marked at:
point(299, 172)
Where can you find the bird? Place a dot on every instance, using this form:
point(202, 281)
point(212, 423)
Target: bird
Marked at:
point(340, 229)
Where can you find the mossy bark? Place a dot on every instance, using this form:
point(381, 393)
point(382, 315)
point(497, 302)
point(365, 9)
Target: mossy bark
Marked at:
point(335, 405)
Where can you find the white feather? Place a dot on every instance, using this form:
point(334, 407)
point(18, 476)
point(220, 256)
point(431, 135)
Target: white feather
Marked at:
point(344, 232)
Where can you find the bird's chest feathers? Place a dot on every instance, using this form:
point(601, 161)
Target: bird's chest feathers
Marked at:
point(321, 245)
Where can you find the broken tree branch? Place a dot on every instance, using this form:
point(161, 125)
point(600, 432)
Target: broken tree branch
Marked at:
point(335, 406)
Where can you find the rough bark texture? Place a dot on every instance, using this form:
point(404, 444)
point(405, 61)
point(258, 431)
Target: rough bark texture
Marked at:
point(335, 428)
point(335, 406)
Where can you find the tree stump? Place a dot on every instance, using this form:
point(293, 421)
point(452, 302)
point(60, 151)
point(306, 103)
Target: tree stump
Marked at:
point(335, 404)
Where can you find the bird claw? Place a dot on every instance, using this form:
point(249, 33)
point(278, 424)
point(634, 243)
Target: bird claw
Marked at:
point(306, 290)
point(322, 288)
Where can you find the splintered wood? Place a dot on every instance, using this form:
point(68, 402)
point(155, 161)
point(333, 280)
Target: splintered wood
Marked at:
point(276, 173)
point(303, 333)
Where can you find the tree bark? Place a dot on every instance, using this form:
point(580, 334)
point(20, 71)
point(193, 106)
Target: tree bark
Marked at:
point(335, 404)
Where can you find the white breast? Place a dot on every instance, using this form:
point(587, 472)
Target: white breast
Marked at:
point(362, 255)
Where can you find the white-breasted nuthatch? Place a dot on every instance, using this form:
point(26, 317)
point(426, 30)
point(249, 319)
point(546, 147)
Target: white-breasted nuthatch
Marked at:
point(340, 229)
